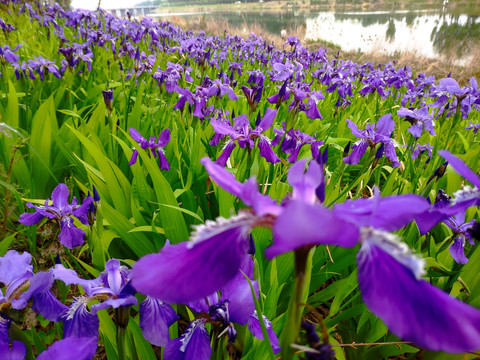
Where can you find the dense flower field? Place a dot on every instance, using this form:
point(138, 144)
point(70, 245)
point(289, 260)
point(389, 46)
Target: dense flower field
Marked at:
point(173, 195)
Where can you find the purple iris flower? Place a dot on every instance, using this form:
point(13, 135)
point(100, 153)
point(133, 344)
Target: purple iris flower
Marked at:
point(6, 54)
point(220, 88)
point(420, 149)
point(200, 273)
point(114, 289)
point(462, 233)
point(64, 213)
point(43, 67)
point(108, 99)
point(419, 119)
point(473, 127)
point(253, 95)
point(287, 71)
point(412, 308)
point(293, 141)
point(155, 145)
point(20, 284)
point(390, 281)
point(467, 196)
point(234, 305)
point(17, 351)
point(371, 136)
point(245, 136)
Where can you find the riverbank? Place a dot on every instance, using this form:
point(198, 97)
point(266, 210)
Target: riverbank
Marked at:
point(440, 68)
point(325, 5)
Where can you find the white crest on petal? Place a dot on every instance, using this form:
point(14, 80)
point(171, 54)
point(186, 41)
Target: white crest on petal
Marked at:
point(187, 336)
point(78, 303)
point(393, 245)
point(212, 228)
point(465, 194)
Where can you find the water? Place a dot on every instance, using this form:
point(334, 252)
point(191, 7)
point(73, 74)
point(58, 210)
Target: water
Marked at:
point(438, 31)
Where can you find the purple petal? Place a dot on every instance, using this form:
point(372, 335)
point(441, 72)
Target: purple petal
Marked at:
point(385, 125)
point(312, 112)
point(305, 183)
point(256, 330)
point(134, 157)
point(194, 344)
point(302, 224)
point(240, 300)
point(69, 277)
point(31, 218)
point(81, 212)
point(457, 250)
point(164, 165)
point(78, 348)
point(387, 213)
point(17, 352)
point(155, 319)
point(266, 151)
point(4, 325)
point(114, 278)
point(359, 149)
point(70, 236)
point(227, 151)
point(60, 196)
point(416, 129)
point(14, 266)
point(115, 303)
point(136, 135)
point(390, 154)
point(412, 308)
point(164, 138)
point(47, 305)
point(267, 119)
point(189, 271)
point(462, 168)
point(78, 321)
point(450, 85)
point(225, 179)
point(354, 128)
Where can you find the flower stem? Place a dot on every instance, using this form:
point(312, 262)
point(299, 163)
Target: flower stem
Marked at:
point(303, 271)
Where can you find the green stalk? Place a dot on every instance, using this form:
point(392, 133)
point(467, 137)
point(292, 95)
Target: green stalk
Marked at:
point(15, 333)
point(303, 272)
point(122, 316)
point(121, 343)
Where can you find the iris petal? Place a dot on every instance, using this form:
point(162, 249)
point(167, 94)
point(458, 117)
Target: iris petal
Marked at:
point(155, 319)
point(313, 225)
point(412, 308)
point(191, 270)
point(78, 348)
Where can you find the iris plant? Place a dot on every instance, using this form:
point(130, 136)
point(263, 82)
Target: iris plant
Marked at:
point(63, 213)
point(155, 145)
point(411, 307)
point(370, 137)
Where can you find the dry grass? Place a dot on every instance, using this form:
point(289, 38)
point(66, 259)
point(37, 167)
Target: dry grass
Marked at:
point(420, 64)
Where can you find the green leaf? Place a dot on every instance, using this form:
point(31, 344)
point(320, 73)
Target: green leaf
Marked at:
point(5, 244)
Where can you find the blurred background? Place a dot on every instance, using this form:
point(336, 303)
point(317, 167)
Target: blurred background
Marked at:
point(434, 36)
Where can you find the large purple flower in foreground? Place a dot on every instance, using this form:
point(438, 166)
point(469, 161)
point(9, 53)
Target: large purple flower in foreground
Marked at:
point(155, 145)
point(370, 137)
point(63, 213)
point(389, 277)
point(202, 272)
